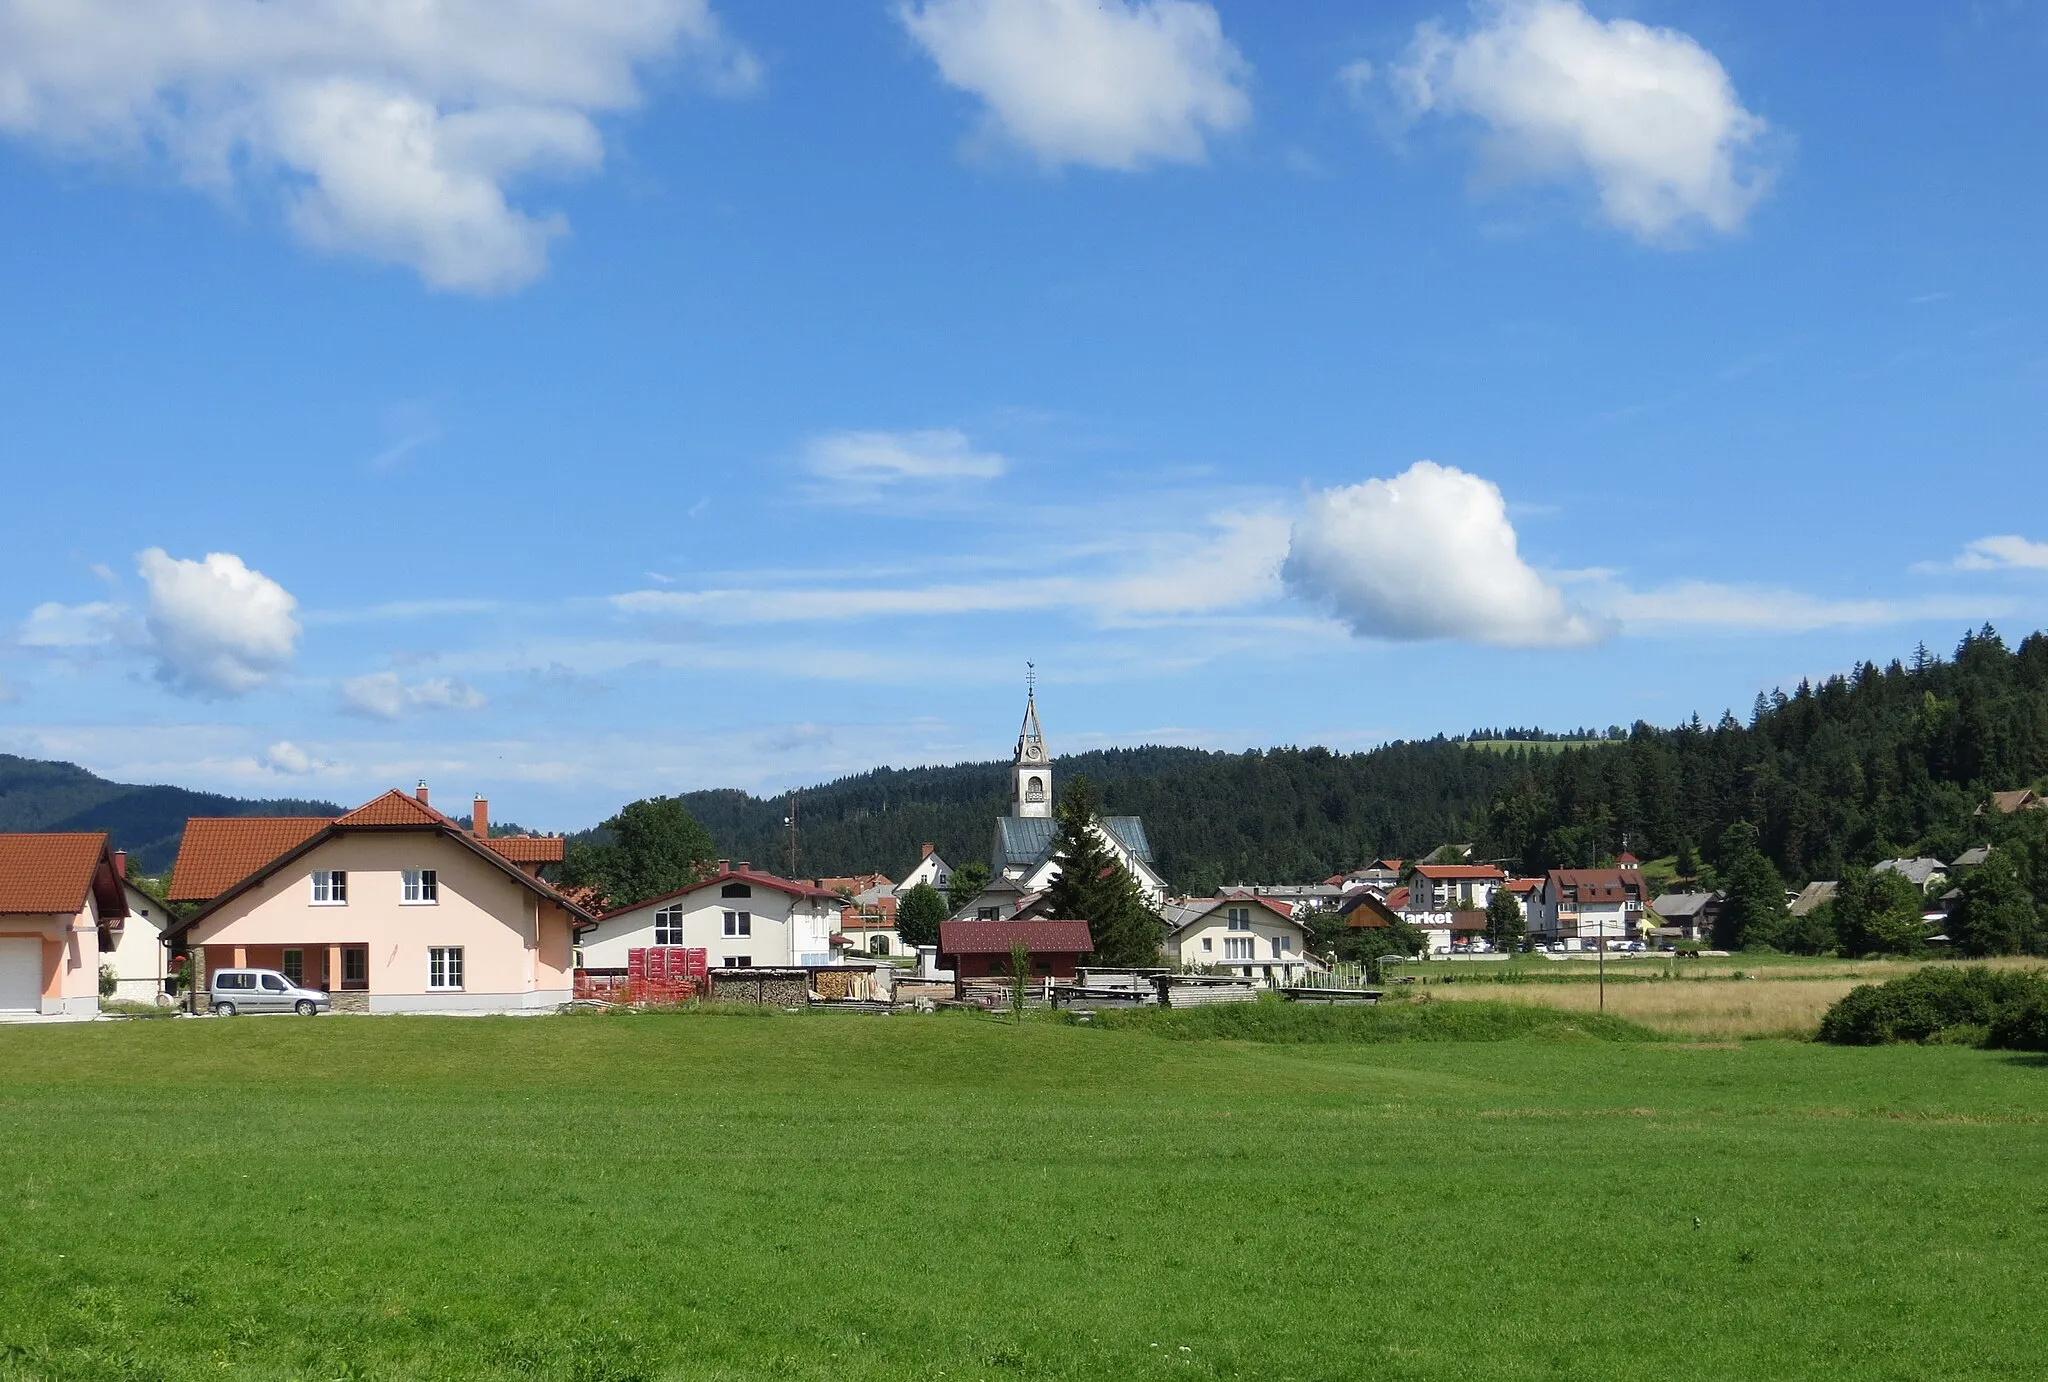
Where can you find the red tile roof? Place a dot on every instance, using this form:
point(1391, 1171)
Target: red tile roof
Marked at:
point(220, 851)
point(732, 875)
point(1270, 904)
point(395, 808)
point(1524, 885)
point(1598, 885)
point(996, 937)
point(1442, 872)
point(527, 849)
point(51, 874)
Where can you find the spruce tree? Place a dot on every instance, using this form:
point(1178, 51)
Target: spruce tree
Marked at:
point(1995, 916)
point(1753, 911)
point(1094, 886)
point(1505, 924)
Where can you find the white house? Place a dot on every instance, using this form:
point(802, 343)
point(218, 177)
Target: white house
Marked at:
point(1255, 937)
point(930, 869)
point(1020, 853)
point(1581, 907)
point(134, 946)
point(738, 917)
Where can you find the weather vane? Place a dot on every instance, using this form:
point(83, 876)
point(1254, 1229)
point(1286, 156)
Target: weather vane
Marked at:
point(1031, 676)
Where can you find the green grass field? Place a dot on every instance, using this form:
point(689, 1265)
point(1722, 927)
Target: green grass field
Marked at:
point(707, 1196)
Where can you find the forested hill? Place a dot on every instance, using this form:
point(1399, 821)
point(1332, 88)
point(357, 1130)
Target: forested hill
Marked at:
point(1213, 817)
point(145, 821)
point(1877, 762)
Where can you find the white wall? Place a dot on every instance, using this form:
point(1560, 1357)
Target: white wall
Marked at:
point(136, 952)
point(783, 930)
point(1267, 929)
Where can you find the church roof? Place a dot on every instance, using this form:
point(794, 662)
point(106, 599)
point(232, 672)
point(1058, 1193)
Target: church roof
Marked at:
point(1028, 840)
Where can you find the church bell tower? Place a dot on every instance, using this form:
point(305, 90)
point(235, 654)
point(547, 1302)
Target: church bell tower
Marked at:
point(1031, 772)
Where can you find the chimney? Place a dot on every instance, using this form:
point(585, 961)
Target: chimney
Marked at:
point(744, 866)
point(480, 819)
point(725, 866)
point(121, 864)
point(421, 792)
point(928, 849)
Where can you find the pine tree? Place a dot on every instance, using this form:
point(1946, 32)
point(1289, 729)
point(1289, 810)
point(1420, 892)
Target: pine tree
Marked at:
point(1996, 916)
point(1753, 911)
point(1094, 886)
point(1505, 924)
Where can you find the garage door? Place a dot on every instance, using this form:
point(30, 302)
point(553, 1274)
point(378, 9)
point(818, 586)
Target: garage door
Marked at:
point(21, 974)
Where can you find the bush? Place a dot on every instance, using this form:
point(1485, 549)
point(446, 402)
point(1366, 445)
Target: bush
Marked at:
point(1922, 1005)
point(2021, 1027)
point(110, 983)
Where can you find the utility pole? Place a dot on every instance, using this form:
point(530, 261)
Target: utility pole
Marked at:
point(1603, 966)
point(790, 821)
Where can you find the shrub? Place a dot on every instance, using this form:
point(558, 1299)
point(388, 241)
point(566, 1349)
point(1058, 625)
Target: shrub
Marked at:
point(1310, 1023)
point(110, 983)
point(2022, 1027)
point(1923, 1004)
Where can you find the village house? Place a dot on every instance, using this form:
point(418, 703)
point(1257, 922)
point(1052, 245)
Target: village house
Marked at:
point(134, 949)
point(931, 869)
point(1582, 907)
point(1452, 887)
point(740, 917)
point(60, 897)
point(1686, 916)
point(1255, 937)
point(391, 907)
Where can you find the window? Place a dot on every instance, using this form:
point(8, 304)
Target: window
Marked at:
point(1240, 918)
point(294, 966)
point(738, 962)
point(1279, 946)
point(739, 923)
point(272, 983)
point(444, 967)
point(421, 885)
point(234, 981)
point(330, 887)
point(1237, 947)
point(1034, 789)
point(355, 967)
point(736, 890)
point(668, 926)
point(1207, 944)
point(988, 914)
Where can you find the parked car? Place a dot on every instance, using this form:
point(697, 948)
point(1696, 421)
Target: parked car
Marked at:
point(235, 991)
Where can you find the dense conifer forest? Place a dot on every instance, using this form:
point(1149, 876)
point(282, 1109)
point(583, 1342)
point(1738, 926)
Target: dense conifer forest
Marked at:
point(1879, 761)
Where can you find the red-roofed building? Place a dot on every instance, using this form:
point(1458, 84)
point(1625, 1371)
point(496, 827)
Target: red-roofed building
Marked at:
point(58, 894)
point(740, 917)
point(981, 949)
point(1452, 887)
point(1580, 907)
point(1254, 937)
point(391, 907)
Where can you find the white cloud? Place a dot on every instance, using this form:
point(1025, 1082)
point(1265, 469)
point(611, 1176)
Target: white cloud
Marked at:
point(216, 627)
point(1648, 114)
point(868, 461)
point(2003, 553)
point(52, 625)
point(289, 759)
point(1107, 83)
point(384, 696)
point(1428, 554)
point(396, 127)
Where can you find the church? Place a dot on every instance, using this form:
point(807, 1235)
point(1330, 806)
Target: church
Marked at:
point(1020, 863)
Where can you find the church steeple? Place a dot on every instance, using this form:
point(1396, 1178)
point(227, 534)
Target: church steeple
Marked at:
point(1031, 771)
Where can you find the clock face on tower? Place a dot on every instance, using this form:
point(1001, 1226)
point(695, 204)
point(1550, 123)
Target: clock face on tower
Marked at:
point(1033, 752)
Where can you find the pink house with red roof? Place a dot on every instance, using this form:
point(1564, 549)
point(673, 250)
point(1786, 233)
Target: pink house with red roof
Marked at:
point(740, 917)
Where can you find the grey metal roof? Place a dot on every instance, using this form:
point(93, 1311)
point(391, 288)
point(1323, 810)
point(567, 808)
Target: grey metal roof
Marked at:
point(1028, 840)
point(1918, 871)
point(1812, 895)
point(1683, 904)
point(1971, 858)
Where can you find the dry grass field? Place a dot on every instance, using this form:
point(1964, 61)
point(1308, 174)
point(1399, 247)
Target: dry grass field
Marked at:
point(1715, 1009)
point(1707, 999)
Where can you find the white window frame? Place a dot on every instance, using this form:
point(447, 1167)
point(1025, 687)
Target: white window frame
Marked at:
point(1208, 944)
point(444, 969)
point(739, 924)
point(736, 961)
point(419, 887)
point(668, 921)
point(1239, 947)
point(1239, 918)
point(330, 887)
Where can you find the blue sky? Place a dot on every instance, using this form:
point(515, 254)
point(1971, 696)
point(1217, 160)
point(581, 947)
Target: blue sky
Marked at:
point(570, 402)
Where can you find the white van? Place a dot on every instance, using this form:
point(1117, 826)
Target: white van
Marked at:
point(262, 991)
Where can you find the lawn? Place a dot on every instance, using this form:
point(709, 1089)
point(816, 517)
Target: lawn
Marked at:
point(705, 1196)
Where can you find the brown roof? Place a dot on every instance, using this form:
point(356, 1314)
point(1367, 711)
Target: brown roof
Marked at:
point(996, 937)
point(1598, 885)
point(51, 874)
point(527, 849)
point(855, 883)
point(395, 808)
point(1442, 872)
point(1466, 920)
point(2009, 802)
point(1365, 910)
point(220, 851)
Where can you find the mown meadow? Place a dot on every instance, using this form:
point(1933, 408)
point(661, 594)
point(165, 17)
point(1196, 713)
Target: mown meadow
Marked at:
point(803, 1196)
